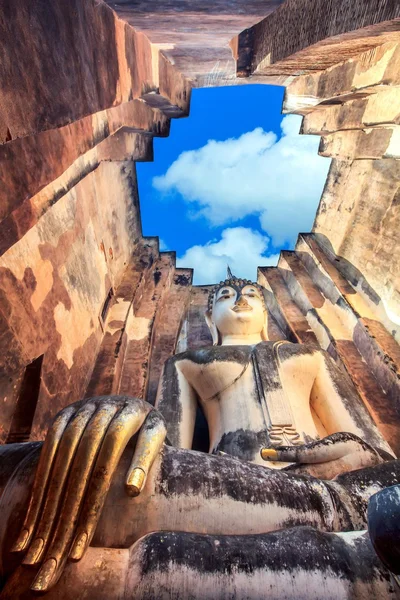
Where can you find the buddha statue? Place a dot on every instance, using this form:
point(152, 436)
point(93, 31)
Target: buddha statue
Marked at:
point(258, 395)
point(116, 504)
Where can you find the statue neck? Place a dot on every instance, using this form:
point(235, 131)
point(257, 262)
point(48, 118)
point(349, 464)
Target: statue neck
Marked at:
point(241, 340)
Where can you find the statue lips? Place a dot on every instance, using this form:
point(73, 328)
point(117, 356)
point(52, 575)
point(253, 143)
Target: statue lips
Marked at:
point(241, 305)
point(241, 308)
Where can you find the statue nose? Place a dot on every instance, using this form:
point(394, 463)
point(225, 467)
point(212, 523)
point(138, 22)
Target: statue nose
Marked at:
point(241, 301)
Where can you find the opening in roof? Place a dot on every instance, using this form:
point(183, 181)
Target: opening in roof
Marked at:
point(235, 182)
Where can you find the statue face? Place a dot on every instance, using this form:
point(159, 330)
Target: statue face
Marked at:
point(238, 310)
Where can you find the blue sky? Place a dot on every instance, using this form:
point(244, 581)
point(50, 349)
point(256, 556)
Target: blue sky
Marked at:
point(233, 182)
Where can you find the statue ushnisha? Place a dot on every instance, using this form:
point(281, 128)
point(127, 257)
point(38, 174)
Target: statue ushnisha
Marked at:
point(277, 509)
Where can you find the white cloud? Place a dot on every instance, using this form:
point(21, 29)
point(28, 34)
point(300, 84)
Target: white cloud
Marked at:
point(279, 180)
point(162, 245)
point(241, 248)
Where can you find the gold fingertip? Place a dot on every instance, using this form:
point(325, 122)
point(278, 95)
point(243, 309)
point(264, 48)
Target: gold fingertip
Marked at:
point(79, 546)
point(21, 542)
point(269, 454)
point(44, 578)
point(135, 482)
point(34, 553)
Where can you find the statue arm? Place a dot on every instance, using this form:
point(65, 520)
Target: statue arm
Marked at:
point(177, 402)
point(353, 440)
point(338, 405)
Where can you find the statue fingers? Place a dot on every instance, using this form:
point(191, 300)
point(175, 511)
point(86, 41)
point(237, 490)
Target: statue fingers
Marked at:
point(44, 468)
point(301, 454)
point(126, 423)
point(150, 440)
point(82, 466)
point(332, 447)
point(63, 461)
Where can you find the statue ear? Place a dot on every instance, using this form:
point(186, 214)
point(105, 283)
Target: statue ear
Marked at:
point(213, 329)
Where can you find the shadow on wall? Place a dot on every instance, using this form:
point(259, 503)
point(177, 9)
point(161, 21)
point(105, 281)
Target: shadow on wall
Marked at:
point(21, 423)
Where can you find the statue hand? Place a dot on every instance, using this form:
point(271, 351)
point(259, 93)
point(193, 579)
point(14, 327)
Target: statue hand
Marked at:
point(76, 465)
point(349, 449)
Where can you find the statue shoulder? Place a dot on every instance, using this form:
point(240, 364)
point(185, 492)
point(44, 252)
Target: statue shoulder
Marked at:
point(286, 350)
point(208, 354)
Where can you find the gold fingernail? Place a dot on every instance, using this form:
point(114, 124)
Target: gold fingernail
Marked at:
point(45, 576)
point(21, 541)
point(269, 454)
point(34, 553)
point(135, 482)
point(79, 547)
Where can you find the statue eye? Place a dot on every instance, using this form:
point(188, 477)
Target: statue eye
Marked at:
point(224, 295)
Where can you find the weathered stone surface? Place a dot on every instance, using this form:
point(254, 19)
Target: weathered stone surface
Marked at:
point(271, 278)
point(356, 313)
point(195, 35)
point(11, 373)
point(373, 109)
point(109, 63)
point(167, 327)
point(30, 163)
point(384, 409)
point(364, 233)
point(54, 281)
point(71, 100)
point(194, 332)
point(313, 35)
point(354, 78)
point(106, 374)
point(377, 142)
point(139, 326)
point(124, 144)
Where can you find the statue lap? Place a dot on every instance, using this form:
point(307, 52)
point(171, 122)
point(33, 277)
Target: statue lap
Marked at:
point(220, 511)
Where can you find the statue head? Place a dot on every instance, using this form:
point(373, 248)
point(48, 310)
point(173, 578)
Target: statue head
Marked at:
point(236, 309)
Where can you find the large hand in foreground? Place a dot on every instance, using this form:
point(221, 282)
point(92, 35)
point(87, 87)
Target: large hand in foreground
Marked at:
point(76, 465)
point(326, 458)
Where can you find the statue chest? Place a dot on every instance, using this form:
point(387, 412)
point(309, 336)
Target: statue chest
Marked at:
point(256, 392)
point(219, 378)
